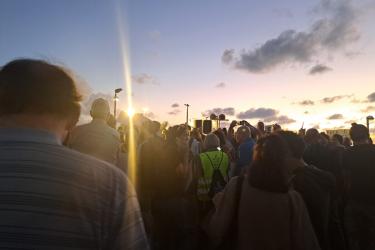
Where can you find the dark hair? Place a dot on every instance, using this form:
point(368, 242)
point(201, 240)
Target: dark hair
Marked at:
point(219, 133)
point(154, 127)
point(174, 132)
point(269, 171)
point(324, 136)
point(260, 126)
point(312, 136)
point(276, 127)
point(225, 131)
point(339, 138)
point(295, 143)
point(359, 132)
point(36, 87)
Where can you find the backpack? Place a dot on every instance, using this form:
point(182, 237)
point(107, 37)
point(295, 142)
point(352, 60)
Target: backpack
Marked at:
point(217, 183)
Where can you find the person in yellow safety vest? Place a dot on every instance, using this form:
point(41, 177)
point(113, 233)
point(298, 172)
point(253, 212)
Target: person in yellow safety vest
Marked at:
point(214, 164)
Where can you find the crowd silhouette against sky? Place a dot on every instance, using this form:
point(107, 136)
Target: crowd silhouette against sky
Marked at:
point(69, 186)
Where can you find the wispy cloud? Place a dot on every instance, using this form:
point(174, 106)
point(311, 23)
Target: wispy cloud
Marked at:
point(257, 113)
point(334, 98)
point(335, 117)
point(228, 56)
point(221, 85)
point(175, 105)
point(144, 78)
point(282, 119)
point(226, 111)
point(332, 33)
point(319, 69)
point(174, 112)
point(368, 109)
point(306, 103)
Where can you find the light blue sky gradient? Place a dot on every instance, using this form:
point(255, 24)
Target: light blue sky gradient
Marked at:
point(179, 43)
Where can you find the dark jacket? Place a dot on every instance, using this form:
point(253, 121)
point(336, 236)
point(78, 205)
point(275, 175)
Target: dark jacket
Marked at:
point(316, 187)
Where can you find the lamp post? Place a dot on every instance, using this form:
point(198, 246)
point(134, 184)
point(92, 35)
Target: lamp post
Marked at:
point(115, 99)
point(187, 113)
point(368, 119)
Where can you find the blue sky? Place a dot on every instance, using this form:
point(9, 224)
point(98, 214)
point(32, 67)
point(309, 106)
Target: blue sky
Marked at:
point(178, 46)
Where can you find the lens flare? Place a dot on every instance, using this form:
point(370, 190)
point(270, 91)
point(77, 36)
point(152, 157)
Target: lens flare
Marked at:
point(125, 53)
point(130, 112)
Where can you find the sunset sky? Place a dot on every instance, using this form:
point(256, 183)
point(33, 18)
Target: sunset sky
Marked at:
point(284, 61)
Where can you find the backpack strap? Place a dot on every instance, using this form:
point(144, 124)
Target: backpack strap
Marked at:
point(218, 167)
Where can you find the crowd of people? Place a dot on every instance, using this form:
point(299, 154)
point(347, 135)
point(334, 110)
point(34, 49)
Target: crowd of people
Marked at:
point(242, 187)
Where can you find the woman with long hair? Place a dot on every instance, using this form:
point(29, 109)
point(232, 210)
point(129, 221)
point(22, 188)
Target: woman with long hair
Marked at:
point(260, 211)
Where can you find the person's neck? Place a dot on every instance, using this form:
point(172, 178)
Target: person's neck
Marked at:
point(99, 120)
point(45, 122)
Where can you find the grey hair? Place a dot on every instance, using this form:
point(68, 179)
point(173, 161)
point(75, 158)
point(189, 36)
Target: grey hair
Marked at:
point(211, 141)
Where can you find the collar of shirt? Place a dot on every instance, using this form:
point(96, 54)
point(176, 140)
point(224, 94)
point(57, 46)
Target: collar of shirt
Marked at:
point(28, 135)
point(99, 121)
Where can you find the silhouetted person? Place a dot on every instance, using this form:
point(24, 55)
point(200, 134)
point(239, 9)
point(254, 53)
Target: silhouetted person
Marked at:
point(97, 138)
point(276, 127)
point(317, 189)
point(338, 140)
point(54, 197)
point(111, 121)
point(195, 142)
point(244, 151)
point(150, 161)
point(173, 215)
point(211, 159)
point(259, 211)
point(261, 129)
point(317, 152)
point(359, 162)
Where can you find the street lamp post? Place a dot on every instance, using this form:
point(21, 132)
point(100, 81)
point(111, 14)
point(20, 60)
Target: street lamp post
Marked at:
point(115, 101)
point(368, 119)
point(187, 113)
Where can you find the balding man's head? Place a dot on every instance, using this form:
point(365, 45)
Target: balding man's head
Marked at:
point(100, 109)
point(36, 87)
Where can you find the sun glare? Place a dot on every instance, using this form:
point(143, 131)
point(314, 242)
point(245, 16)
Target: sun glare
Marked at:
point(124, 44)
point(130, 112)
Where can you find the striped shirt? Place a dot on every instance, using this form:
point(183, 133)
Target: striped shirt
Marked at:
point(52, 197)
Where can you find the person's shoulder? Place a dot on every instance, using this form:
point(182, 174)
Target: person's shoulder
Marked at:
point(370, 147)
point(234, 182)
point(322, 177)
point(77, 160)
point(313, 169)
point(113, 132)
point(295, 198)
point(82, 127)
point(225, 155)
